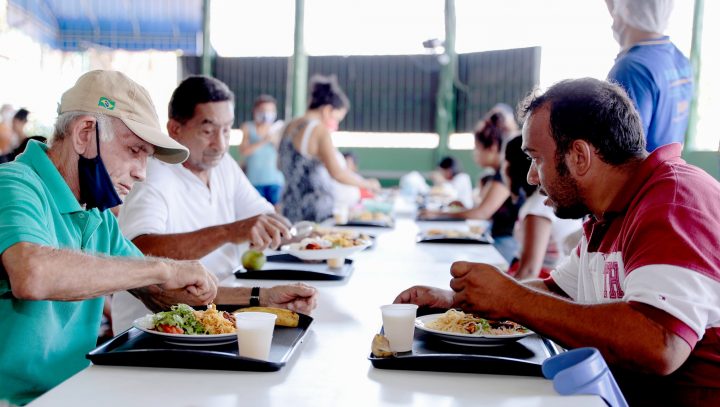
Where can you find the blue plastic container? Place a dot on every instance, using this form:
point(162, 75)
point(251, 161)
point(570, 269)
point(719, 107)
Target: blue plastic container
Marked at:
point(583, 371)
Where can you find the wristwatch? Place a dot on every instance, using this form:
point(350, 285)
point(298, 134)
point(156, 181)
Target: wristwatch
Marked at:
point(255, 297)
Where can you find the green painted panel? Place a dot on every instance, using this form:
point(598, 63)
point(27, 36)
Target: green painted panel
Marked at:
point(707, 160)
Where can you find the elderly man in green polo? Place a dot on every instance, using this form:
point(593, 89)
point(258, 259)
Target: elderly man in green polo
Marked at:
point(60, 245)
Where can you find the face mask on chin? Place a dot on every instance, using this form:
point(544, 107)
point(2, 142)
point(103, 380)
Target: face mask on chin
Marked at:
point(96, 186)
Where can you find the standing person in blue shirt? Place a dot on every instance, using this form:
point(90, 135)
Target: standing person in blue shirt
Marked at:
point(259, 145)
point(654, 73)
point(61, 249)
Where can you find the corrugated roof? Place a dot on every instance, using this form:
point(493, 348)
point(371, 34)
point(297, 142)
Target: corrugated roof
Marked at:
point(74, 25)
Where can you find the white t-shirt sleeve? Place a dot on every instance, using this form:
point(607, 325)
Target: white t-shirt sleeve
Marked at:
point(463, 186)
point(565, 274)
point(248, 201)
point(535, 205)
point(685, 294)
point(145, 211)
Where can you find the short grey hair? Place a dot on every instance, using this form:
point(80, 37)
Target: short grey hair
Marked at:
point(65, 120)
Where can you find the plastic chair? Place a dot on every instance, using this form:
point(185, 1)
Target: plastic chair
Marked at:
point(583, 371)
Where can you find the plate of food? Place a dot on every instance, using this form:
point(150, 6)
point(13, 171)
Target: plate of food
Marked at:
point(367, 218)
point(459, 328)
point(335, 245)
point(183, 325)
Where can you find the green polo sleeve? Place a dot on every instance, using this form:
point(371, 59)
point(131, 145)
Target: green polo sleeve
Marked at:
point(24, 210)
point(119, 245)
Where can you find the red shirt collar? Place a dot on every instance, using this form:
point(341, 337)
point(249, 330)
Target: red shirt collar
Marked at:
point(662, 154)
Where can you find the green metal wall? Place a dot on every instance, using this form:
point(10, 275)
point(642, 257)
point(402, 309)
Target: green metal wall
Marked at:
point(493, 77)
point(390, 94)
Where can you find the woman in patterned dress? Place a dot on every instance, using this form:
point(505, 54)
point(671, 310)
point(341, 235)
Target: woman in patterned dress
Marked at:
point(308, 158)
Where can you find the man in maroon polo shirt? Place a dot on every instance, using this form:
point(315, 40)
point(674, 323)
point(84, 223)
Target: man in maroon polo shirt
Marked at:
point(643, 285)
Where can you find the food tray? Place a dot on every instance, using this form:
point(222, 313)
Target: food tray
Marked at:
point(480, 239)
point(288, 267)
point(136, 348)
point(440, 219)
point(368, 223)
point(522, 358)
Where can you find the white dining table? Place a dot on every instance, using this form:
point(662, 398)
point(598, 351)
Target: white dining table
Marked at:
point(331, 366)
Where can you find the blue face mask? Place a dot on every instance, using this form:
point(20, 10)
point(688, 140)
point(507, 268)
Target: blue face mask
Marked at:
point(265, 117)
point(96, 187)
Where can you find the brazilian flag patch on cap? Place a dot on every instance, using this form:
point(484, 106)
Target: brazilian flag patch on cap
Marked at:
point(108, 104)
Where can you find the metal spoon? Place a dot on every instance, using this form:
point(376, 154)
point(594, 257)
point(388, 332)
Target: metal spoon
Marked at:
point(302, 228)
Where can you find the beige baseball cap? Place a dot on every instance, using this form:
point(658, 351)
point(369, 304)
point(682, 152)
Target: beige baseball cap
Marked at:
point(113, 94)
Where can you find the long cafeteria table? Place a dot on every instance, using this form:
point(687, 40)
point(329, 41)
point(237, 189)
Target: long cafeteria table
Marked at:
point(331, 366)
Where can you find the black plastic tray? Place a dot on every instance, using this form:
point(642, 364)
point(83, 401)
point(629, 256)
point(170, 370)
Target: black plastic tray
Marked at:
point(288, 267)
point(521, 358)
point(481, 239)
point(136, 348)
point(440, 219)
point(368, 224)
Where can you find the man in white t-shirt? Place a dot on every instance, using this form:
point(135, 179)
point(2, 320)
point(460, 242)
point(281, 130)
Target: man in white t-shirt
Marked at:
point(643, 285)
point(205, 209)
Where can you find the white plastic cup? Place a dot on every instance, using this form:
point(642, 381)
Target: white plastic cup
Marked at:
point(399, 325)
point(341, 214)
point(255, 332)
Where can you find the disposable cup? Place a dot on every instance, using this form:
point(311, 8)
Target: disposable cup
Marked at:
point(255, 332)
point(341, 215)
point(399, 325)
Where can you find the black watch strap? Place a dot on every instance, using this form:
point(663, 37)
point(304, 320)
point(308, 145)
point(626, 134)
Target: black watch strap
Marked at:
point(255, 297)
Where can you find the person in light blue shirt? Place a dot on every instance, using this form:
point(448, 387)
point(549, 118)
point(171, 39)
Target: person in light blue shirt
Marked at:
point(655, 74)
point(259, 146)
point(61, 249)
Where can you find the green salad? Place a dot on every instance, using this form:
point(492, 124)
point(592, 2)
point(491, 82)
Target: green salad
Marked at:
point(181, 316)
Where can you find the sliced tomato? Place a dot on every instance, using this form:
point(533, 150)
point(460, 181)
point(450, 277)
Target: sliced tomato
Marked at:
point(170, 329)
point(313, 246)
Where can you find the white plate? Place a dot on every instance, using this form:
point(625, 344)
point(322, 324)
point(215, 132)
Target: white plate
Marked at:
point(145, 322)
point(323, 254)
point(457, 338)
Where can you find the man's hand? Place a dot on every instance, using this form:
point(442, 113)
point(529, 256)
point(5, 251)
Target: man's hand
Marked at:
point(372, 184)
point(426, 297)
point(297, 297)
point(192, 277)
point(156, 299)
point(263, 231)
point(483, 289)
point(428, 214)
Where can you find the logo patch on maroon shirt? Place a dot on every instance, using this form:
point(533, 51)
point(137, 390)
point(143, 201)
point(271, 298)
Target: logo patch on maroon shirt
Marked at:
point(612, 281)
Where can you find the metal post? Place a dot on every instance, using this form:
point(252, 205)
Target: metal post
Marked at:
point(695, 52)
point(445, 113)
point(207, 52)
point(299, 63)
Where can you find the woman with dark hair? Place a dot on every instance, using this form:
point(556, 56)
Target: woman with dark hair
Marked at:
point(543, 237)
point(309, 160)
point(496, 205)
point(259, 146)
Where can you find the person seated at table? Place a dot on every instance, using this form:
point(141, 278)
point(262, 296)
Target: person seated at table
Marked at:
point(346, 196)
point(541, 234)
point(643, 285)
point(449, 174)
point(206, 207)
point(351, 161)
point(309, 160)
point(62, 249)
point(483, 186)
point(497, 205)
point(259, 147)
